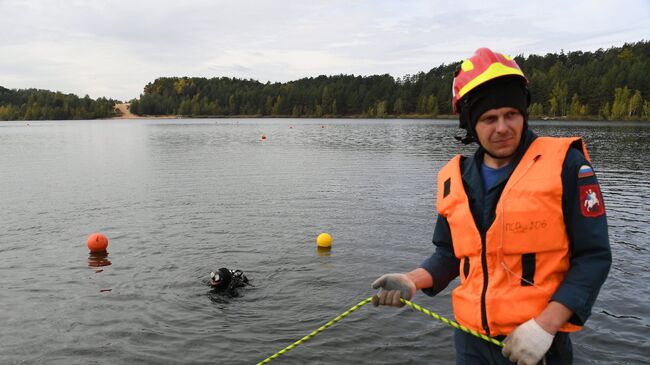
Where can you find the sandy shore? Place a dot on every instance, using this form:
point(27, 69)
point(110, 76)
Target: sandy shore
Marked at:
point(125, 113)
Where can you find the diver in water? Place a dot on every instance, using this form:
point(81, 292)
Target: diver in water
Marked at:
point(228, 281)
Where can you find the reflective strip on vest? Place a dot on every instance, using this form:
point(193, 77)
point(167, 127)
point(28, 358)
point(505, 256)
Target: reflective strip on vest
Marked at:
point(527, 247)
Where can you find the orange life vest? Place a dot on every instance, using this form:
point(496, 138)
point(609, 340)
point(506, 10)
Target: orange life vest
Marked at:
point(510, 277)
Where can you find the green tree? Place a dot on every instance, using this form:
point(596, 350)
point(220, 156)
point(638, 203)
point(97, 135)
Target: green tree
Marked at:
point(185, 108)
point(268, 105)
point(432, 105)
point(577, 109)
point(295, 112)
point(381, 109)
point(553, 106)
point(604, 112)
point(559, 93)
point(620, 106)
point(646, 110)
point(5, 112)
point(398, 108)
point(421, 105)
point(536, 110)
point(277, 106)
point(626, 54)
point(232, 105)
point(636, 105)
point(134, 107)
point(33, 112)
point(326, 101)
point(196, 108)
point(216, 108)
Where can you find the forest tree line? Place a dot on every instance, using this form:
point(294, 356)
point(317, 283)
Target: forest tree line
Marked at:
point(612, 84)
point(33, 104)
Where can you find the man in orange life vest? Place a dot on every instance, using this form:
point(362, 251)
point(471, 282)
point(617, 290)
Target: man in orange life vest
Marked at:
point(522, 222)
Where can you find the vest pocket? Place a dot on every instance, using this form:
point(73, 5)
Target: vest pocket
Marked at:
point(528, 269)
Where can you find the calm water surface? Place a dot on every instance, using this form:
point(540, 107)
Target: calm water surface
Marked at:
point(179, 198)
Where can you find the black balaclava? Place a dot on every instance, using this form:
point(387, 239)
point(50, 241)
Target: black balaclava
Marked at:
point(506, 91)
point(226, 275)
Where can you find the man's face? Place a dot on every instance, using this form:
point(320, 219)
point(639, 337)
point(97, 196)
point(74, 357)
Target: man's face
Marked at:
point(499, 132)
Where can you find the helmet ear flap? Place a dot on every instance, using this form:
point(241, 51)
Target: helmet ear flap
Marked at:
point(463, 111)
point(465, 122)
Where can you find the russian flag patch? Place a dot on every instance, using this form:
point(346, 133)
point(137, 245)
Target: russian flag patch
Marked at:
point(585, 171)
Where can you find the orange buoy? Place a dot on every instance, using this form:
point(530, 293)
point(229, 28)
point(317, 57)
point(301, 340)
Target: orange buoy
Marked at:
point(263, 136)
point(97, 242)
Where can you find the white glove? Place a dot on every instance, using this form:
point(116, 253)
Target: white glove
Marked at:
point(527, 344)
point(393, 287)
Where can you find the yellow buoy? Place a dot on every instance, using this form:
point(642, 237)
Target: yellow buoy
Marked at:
point(324, 240)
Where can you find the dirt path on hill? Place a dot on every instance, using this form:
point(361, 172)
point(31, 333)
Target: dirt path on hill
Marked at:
point(124, 112)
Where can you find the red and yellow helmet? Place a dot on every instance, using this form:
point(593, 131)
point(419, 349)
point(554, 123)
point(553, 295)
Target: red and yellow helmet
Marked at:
point(483, 66)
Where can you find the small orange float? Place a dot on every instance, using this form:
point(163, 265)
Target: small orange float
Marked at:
point(97, 242)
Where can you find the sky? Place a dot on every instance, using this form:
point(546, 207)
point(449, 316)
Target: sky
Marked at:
point(113, 48)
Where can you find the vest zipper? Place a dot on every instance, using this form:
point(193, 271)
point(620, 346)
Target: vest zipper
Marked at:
point(484, 320)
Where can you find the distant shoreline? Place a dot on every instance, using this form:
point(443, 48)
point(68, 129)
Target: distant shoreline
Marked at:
point(126, 114)
point(279, 117)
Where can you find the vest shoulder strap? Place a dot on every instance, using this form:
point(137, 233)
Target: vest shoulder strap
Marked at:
point(548, 154)
point(450, 186)
point(556, 145)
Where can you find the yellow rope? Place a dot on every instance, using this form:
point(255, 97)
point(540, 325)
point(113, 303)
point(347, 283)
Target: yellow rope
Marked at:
point(452, 323)
point(368, 300)
point(314, 333)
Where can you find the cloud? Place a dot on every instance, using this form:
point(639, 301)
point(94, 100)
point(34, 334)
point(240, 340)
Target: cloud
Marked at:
point(114, 47)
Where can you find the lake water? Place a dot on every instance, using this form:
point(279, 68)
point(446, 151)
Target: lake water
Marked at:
point(179, 198)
